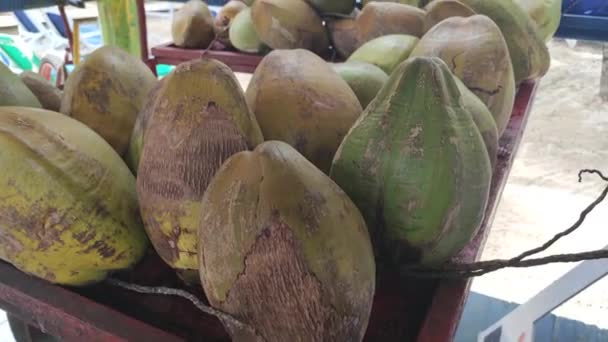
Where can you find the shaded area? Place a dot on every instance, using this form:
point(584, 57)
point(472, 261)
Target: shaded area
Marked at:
point(482, 311)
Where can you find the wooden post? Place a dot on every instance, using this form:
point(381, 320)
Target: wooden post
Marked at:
point(604, 80)
point(120, 25)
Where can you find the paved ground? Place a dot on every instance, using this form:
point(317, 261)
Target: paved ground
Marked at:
point(5, 331)
point(567, 132)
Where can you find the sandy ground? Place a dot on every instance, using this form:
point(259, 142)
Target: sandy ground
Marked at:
point(566, 132)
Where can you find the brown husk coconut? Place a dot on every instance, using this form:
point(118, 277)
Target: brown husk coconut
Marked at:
point(439, 10)
point(47, 94)
point(343, 32)
point(476, 52)
point(299, 99)
point(289, 24)
point(199, 120)
point(285, 250)
point(383, 18)
point(192, 25)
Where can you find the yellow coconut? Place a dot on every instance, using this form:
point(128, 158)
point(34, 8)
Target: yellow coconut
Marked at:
point(68, 208)
point(106, 92)
point(386, 52)
point(224, 18)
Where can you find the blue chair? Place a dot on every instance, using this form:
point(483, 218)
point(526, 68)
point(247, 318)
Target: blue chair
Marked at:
point(90, 35)
point(31, 30)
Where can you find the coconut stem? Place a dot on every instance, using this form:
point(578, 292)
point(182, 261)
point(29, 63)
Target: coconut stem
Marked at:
point(215, 39)
point(225, 318)
point(476, 269)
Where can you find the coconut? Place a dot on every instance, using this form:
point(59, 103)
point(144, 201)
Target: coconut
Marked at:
point(289, 24)
point(199, 120)
point(299, 99)
point(343, 32)
point(476, 52)
point(106, 92)
point(416, 166)
point(224, 19)
point(284, 249)
point(386, 52)
point(546, 14)
point(363, 78)
point(383, 18)
point(243, 35)
point(192, 25)
point(13, 92)
point(529, 54)
point(47, 94)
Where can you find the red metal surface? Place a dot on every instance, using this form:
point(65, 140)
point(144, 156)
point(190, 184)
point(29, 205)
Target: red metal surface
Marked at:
point(143, 29)
point(61, 312)
point(404, 309)
point(239, 62)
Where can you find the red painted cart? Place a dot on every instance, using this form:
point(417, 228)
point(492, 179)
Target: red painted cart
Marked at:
point(405, 309)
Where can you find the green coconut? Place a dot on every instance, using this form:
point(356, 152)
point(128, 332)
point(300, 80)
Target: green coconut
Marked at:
point(13, 92)
point(278, 237)
point(383, 18)
point(386, 52)
point(475, 50)
point(546, 14)
point(482, 118)
point(192, 25)
point(416, 166)
point(289, 24)
point(136, 143)
point(299, 99)
point(439, 10)
point(47, 94)
point(529, 54)
point(199, 120)
point(363, 78)
point(224, 18)
point(333, 6)
point(243, 35)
